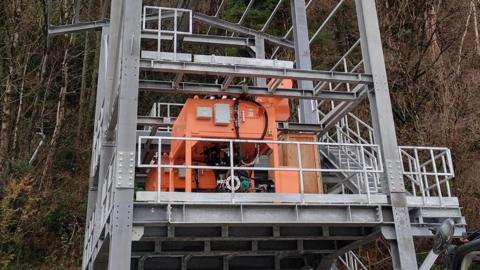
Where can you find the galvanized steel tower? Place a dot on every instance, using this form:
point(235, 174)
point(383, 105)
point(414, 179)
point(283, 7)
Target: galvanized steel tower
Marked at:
point(373, 187)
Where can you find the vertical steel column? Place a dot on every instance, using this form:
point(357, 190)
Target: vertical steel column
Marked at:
point(260, 53)
point(122, 213)
point(307, 114)
point(94, 183)
point(106, 150)
point(403, 249)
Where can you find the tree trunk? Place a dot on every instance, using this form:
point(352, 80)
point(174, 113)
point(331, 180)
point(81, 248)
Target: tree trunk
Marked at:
point(20, 106)
point(13, 14)
point(36, 121)
point(84, 105)
point(475, 27)
point(83, 100)
point(60, 117)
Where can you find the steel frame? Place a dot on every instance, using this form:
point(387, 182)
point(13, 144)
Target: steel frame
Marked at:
point(118, 228)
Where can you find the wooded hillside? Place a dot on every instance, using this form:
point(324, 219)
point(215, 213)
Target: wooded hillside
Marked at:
point(47, 97)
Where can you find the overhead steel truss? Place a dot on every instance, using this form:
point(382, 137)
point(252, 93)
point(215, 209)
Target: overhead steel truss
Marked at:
point(175, 230)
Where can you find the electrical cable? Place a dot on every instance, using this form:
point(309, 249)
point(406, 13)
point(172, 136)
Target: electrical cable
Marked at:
point(265, 114)
point(237, 127)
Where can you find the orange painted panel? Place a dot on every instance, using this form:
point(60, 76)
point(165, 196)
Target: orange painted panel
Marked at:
point(287, 182)
point(206, 181)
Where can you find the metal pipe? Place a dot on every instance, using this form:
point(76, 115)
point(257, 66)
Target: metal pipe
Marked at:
point(437, 181)
point(232, 171)
point(253, 141)
point(327, 20)
point(269, 20)
point(281, 169)
point(300, 165)
point(244, 15)
point(216, 14)
point(320, 85)
point(159, 170)
point(288, 33)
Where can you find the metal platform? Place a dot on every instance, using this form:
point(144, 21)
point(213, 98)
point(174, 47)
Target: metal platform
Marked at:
point(374, 188)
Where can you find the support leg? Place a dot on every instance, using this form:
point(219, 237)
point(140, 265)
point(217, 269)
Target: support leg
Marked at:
point(188, 162)
point(384, 132)
point(307, 114)
point(171, 177)
point(276, 164)
point(128, 22)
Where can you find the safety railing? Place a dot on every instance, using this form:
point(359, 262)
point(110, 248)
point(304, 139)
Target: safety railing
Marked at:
point(351, 129)
point(427, 170)
point(364, 152)
point(97, 141)
point(351, 261)
point(167, 112)
point(99, 215)
point(161, 15)
point(166, 109)
point(89, 239)
point(107, 193)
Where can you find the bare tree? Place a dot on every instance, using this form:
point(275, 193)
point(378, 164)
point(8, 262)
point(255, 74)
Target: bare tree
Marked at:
point(83, 105)
point(60, 115)
point(12, 9)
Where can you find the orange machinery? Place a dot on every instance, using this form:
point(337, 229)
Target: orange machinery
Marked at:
point(226, 118)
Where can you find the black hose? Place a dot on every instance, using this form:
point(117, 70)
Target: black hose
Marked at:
point(265, 114)
point(237, 125)
point(235, 118)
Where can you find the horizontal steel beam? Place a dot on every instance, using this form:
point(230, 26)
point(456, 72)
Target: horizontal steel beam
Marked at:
point(267, 198)
point(420, 230)
point(206, 39)
point(258, 253)
point(282, 126)
point(256, 238)
point(247, 61)
point(254, 71)
point(232, 90)
point(303, 127)
point(261, 214)
point(76, 28)
point(234, 233)
point(220, 40)
point(233, 27)
point(154, 121)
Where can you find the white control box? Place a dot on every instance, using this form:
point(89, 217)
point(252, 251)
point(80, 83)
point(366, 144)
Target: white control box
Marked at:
point(222, 114)
point(204, 112)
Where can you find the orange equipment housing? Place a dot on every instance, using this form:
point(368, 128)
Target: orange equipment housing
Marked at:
point(215, 118)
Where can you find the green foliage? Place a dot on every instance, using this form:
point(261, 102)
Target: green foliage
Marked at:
point(17, 169)
point(259, 13)
point(30, 219)
point(234, 10)
point(65, 158)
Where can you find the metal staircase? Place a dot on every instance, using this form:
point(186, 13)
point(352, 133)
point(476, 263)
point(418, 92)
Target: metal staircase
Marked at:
point(345, 157)
point(351, 261)
point(342, 157)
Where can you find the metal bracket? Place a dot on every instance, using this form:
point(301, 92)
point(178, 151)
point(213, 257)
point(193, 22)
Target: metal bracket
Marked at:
point(137, 233)
point(395, 176)
point(125, 173)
